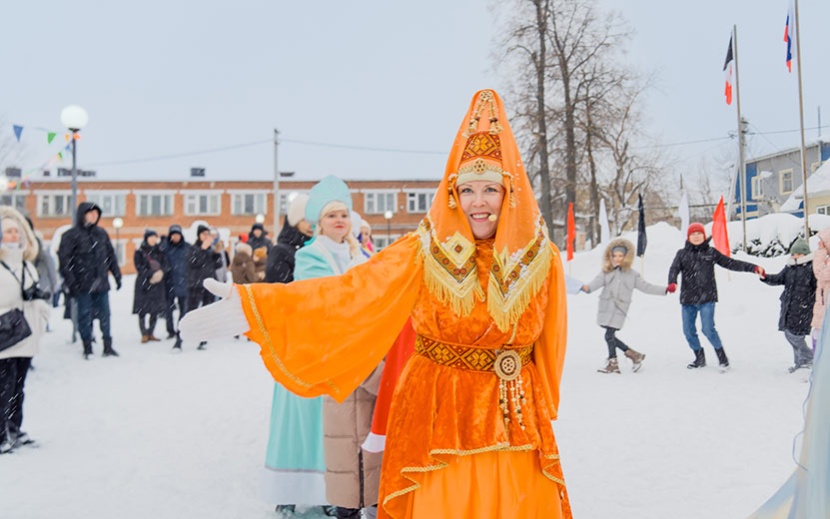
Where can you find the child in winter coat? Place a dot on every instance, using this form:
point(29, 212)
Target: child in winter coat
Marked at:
point(797, 301)
point(699, 292)
point(618, 282)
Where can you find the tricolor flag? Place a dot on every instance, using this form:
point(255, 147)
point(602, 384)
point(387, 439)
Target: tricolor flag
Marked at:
point(789, 35)
point(728, 72)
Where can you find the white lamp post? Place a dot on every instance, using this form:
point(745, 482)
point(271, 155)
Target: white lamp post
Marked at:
point(118, 223)
point(74, 118)
point(388, 215)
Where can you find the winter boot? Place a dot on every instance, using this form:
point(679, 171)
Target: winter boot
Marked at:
point(700, 360)
point(18, 437)
point(202, 345)
point(108, 351)
point(347, 513)
point(611, 367)
point(6, 446)
point(87, 350)
point(145, 339)
point(329, 511)
point(637, 359)
point(285, 510)
point(722, 359)
point(178, 346)
point(153, 338)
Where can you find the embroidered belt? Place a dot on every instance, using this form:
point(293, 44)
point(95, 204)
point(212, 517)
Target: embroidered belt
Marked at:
point(506, 363)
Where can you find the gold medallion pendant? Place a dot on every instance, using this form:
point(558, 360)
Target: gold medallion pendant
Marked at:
point(508, 365)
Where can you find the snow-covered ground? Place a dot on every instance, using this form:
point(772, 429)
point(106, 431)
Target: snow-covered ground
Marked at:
point(155, 434)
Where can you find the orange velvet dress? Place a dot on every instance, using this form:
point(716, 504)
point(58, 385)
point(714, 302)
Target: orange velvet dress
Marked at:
point(449, 452)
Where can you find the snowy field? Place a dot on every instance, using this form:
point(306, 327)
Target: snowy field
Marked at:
point(161, 435)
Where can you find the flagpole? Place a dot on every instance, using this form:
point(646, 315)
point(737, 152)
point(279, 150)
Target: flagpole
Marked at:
point(801, 118)
point(741, 165)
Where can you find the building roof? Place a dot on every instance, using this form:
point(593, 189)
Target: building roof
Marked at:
point(779, 153)
point(818, 184)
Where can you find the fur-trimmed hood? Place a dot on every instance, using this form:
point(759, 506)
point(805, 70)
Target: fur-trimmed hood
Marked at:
point(244, 248)
point(31, 251)
point(608, 265)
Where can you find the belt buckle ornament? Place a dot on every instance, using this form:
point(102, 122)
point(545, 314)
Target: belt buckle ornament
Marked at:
point(508, 365)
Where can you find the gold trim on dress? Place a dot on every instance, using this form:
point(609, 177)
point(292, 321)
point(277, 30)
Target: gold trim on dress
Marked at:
point(261, 325)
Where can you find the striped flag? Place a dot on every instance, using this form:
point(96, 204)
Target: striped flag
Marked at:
point(789, 35)
point(728, 72)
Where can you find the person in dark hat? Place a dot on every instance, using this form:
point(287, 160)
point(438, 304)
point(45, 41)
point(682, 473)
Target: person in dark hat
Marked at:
point(202, 262)
point(695, 262)
point(149, 297)
point(86, 258)
point(175, 278)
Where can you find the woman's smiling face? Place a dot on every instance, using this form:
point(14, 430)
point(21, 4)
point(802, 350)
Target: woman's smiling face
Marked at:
point(481, 202)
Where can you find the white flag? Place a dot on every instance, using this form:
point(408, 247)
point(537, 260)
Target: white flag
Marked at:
point(683, 212)
point(604, 229)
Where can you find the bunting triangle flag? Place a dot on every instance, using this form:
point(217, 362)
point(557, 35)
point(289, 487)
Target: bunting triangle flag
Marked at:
point(18, 130)
point(60, 155)
point(50, 137)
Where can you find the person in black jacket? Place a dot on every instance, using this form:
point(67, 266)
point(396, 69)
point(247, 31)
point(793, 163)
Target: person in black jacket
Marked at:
point(86, 258)
point(699, 292)
point(296, 232)
point(258, 237)
point(175, 278)
point(797, 301)
point(149, 297)
point(202, 262)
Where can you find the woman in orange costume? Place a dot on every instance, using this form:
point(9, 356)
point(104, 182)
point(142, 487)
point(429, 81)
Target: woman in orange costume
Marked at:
point(469, 431)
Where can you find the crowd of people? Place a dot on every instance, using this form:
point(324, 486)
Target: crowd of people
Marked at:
point(440, 359)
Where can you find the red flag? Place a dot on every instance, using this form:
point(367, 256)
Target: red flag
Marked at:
point(571, 231)
point(720, 236)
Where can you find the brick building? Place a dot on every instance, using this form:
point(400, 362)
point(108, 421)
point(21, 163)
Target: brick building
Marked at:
point(231, 206)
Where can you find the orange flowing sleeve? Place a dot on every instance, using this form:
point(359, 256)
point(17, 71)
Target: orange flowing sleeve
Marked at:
point(326, 335)
point(549, 354)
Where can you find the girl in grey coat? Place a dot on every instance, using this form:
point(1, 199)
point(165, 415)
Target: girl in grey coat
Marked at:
point(618, 282)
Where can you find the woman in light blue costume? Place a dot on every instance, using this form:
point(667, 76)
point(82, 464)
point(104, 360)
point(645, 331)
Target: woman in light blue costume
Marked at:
point(295, 466)
point(806, 495)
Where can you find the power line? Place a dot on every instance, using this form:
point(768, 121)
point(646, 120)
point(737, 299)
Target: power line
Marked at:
point(384, 150)
point(179, 155)
point(363, 148)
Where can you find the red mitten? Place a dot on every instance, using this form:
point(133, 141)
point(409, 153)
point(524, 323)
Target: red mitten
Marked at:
point(672, 288)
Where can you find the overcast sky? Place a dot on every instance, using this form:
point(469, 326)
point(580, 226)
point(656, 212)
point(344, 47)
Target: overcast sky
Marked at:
point(167, 77)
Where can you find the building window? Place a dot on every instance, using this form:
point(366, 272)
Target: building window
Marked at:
point(55, 205)
point(16, 200)
point(203, 204)
point(111, 204)
point(380, 241)
point(378, 202)
point(154, 205)
point(249, 203)
point(419, 202)
point(785, 181)
point(823, 209)
point(757, 188)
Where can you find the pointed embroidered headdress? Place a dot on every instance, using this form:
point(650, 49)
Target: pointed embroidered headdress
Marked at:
point(485, 149)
